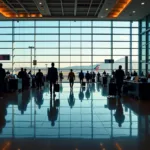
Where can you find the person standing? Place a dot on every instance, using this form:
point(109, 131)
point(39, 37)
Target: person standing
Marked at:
point(52, 76)
point(39, 79)
point(119, 79)
point(7, 73)
point(98, 77)
point(81, 76)
point(61, 76)
point(87, 76)
point(104, 73)
point(71, 78)
point(2, 80)
point(21, 74)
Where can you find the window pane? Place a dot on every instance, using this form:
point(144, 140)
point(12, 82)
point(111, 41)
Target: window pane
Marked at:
point(101, 37)
point(102, 23)
point(47, 30)
point(121, 51)
point(5, 23)
point(46, 23)
point(121, 30)
point(102, 30)
point(121, 37)
point(100, 58)
point(101, 52)
point(24, 23)
point(121, 24)
point(121, 44)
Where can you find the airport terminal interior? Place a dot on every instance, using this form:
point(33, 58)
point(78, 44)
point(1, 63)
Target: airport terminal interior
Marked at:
point(95, 36)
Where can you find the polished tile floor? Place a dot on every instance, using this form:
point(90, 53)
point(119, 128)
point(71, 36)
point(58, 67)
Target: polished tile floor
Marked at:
point(82, 118)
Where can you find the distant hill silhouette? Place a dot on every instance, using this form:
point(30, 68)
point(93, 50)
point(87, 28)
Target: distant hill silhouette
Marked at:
point(104, 66)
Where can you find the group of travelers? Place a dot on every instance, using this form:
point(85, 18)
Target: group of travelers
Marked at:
point(53, 77)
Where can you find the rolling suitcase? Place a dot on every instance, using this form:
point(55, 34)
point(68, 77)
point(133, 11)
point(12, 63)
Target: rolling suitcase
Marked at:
point(111, 103)
point(112, 89)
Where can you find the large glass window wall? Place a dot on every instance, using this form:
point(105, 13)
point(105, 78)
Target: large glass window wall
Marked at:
point(70, 44)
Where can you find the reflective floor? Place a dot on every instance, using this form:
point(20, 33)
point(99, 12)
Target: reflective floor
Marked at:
point(82, 118)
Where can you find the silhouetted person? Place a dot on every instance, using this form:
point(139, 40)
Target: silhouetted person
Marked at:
point(98, 77)
point(98, 86)
point(119, 79)
point(39, 79)
point(87, 76)
point(30, 74)
point(23, 101)
point(87, 93)
point(39, 98)
point(52, 112)
point(7, 73)
point(3, 113)
point(91, 75)
point(104, 73)
point(71, 99)
point(25, 74)
point(134, 73)
point(71, 78)
point(81, 94)
point(93, 87)
point(52, 76)
point(113, 74)
point(2, 80)
point(81, 76)
point(21, 74)
point(119, 116)
point(61, 76)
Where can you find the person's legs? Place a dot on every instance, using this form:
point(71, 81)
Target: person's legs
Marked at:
point(2, 89)
point(72, 83)
point(119, 88)
point(50, 87)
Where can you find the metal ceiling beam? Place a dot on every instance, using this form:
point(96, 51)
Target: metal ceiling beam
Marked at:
point(89, 7)
point(98, 8)
point(62, 9)
point(8, 4)
point(43, 8)
point(22, 6)
point(75, 7)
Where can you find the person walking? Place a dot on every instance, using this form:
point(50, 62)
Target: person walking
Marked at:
point(81, 76)
point(2, 80)
point(61, 76)
point(71, 78)
point(119, 75)
point(87, 76)
point(52, 76)
point(39, 79)
point(98, 77)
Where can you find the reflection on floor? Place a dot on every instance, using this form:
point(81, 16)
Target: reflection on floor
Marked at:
point(73, 118)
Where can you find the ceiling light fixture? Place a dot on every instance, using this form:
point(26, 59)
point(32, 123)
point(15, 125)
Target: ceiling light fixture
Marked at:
point(134, 11)
point(142, 3)
point(40, 3)
point(119, 7)
point(106, 9)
